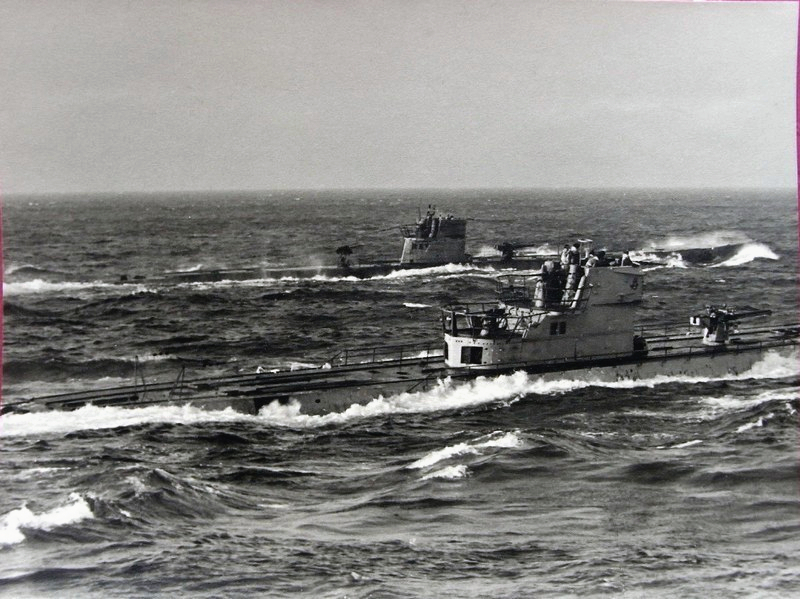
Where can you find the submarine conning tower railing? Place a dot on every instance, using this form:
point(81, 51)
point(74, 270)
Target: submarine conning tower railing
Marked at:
point(493, 320)
point(514, 288)
point(543, 291)
point(433, 226)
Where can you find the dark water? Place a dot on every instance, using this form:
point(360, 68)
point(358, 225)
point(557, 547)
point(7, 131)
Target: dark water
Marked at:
point(507, 487)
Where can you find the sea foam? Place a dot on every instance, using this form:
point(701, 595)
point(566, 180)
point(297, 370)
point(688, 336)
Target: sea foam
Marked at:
point(748, 253)
point(37, 286)
point(449, 473)
point(98, 418)
point(14, 522)
point(477, 447)
point(701, 240)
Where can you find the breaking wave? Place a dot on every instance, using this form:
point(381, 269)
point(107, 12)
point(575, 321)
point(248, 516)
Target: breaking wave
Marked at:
point(748, 253)
point(445, 269)
point(14, 523)
point(757, 424)
point(99, 418)
point(504, 388)
point(29, 272)
point(728, 403)
point(700, 240)
point(670, 261)
point(400, 274)
point(195, 268)
point(691, 443)
point(480, 447)
point(36, 286)
point(496, 439)
point(449, 473)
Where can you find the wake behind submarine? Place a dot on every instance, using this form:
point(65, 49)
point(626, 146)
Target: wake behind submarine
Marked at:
point(550, 324)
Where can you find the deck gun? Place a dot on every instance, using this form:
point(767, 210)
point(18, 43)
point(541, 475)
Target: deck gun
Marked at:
point(508, 248)
point(345, 252)
point(716, 322)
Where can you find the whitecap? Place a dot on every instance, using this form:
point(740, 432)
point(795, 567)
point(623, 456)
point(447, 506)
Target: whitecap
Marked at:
point(14, 522)
point(709, 239)
point(748, 253)
point(687, 444)
point(37, 286)
point(449, 473)
point(497, 439)
point(91, 417)
point(443, 454)
point(757, 424)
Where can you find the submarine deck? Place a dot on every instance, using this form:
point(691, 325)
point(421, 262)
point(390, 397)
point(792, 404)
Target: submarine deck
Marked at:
point(357, 376)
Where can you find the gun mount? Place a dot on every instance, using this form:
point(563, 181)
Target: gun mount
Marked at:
point(717, 321)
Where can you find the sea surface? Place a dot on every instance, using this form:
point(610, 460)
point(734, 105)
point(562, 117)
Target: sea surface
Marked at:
point(504, 487)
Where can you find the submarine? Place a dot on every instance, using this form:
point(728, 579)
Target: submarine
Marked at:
point(435, 239)
point(543, 324)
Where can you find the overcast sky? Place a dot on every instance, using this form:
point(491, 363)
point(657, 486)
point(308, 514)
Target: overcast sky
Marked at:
point(244, 94)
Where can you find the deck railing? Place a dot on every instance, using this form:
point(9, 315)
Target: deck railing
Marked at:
point(382, 354)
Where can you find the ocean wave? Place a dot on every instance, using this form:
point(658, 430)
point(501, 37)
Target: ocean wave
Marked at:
point(195, 268)
point(31, 271)
point(91, 417)
point(447, 395)
point(727, 256)
point(497, 439)
point(65, 370)
point(748, 253)
point(35, 474)
point(159, 494)
point(669, 261)
point(756, 424)
point(774, 365)
point(729, 403)
point(445, 269)
point(13, 524)
point(683, 445)
point(37, 286)
point(444, 396)
point(454, 472)
point(710, 239)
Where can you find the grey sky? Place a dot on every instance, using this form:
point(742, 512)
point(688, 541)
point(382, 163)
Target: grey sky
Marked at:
point(238, 94)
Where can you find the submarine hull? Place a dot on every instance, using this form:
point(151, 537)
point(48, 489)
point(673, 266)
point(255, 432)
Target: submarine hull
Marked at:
point(361, 271)
point(713, 363)
point(323, 391)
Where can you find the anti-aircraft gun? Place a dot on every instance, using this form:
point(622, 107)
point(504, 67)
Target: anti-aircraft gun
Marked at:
point(345, 252)
point(717, 322)
point(508, 248)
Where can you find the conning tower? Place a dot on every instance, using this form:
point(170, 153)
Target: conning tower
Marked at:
point(537, 320)
point(434, 239)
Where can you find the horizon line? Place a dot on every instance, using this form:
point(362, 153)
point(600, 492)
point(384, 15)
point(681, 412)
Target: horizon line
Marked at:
point(319, 190)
